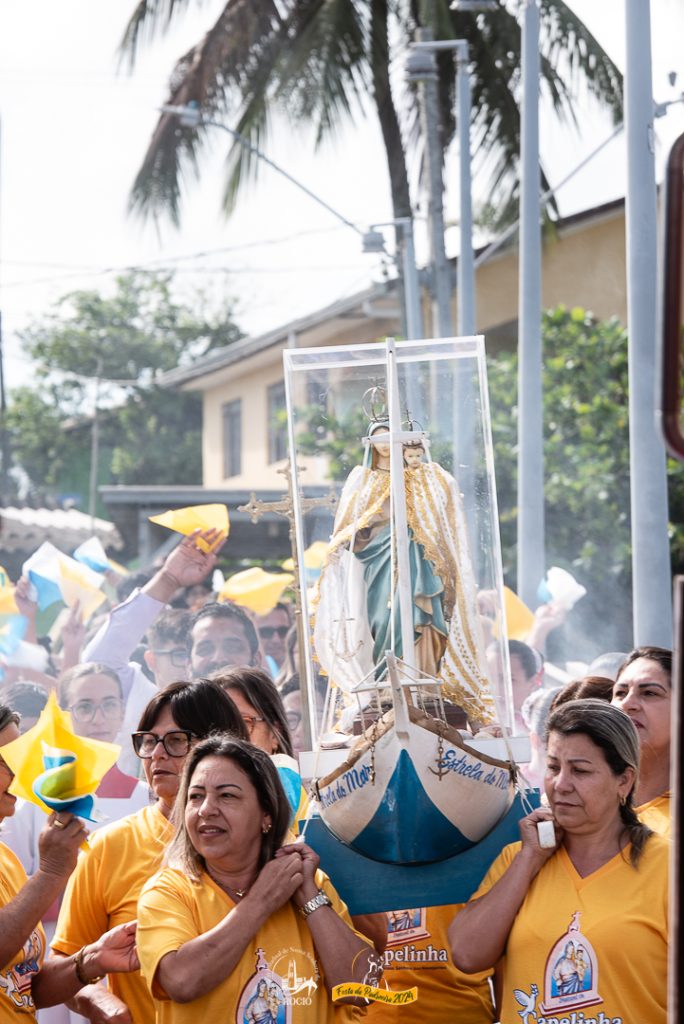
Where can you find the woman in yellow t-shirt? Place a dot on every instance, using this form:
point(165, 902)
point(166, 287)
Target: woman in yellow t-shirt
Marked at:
point(643, 689)
point(582, 924)
point(237, 923)
point(105, 886)
point(26, 982)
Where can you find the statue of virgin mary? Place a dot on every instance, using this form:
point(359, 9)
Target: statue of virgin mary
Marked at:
point(356, 610)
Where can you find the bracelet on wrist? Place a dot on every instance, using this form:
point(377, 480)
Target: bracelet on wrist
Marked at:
point(321, 899)
point(78, 966)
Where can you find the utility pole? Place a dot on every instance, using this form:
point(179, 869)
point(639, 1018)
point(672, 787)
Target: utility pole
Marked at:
point(466, 316)
point(442, 326)
point(95, 446)
point(531, 554)
point(651, 569)
point(4, 435)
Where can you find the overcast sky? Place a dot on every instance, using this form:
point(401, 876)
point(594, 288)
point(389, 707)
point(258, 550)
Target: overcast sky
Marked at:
point(74, 129)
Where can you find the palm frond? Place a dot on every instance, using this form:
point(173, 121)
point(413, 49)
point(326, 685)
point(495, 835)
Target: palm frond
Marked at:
point(203, 76)
point(148, 18)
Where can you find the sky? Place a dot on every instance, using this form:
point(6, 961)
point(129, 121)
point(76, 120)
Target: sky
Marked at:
point(74, 128)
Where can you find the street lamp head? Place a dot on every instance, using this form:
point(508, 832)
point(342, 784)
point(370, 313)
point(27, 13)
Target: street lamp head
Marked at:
point(373, 241)
point(420, 64)
point(474, 6)
point(189, 115)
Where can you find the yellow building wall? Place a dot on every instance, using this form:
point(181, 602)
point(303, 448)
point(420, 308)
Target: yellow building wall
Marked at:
point(584, 266)
point(249, 381)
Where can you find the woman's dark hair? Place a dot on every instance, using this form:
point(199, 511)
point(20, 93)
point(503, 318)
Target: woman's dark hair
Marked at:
point(27, 699)
point(8, 716)
point(86, 668)
point(661, 655)
point(613, 731)
point(261, 772)
point(599, 687)
point(202, 707)
point(257, 687)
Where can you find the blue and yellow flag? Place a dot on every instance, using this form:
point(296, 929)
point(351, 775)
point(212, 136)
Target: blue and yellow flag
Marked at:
point(56, 769)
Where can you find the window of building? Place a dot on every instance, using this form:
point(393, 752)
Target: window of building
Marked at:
point(277, 423)
point(232, 438)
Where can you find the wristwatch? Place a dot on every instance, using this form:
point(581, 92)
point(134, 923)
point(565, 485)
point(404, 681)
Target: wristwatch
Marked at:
point(319, 900)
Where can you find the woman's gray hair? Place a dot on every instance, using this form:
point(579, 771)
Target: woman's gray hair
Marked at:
point(261, 772)
point(8, 716)
point(613, 731)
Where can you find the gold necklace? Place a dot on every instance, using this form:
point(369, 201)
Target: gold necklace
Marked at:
point(240, 893)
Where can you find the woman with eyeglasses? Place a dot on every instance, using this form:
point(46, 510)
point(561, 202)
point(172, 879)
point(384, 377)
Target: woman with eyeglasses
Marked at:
point(105, 887)
point(257, 699)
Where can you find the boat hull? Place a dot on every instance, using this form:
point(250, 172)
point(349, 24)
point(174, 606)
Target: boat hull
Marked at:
point(416, 794)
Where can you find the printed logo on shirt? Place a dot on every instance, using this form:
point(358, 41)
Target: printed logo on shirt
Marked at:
point(15, 981)
point(570, 984)
point(274, 990)
point(405, 928)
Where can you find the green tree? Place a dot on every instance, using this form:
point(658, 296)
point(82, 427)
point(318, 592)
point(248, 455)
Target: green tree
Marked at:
point(319, 62)
point(118, 344)
point(586, 469)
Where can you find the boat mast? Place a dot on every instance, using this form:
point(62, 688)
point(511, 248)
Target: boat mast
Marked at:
point(398, 518)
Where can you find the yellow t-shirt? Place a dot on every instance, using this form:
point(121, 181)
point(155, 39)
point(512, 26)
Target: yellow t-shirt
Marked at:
point(588, 949)
point(103, 891)
point(16, 976)
point(279, 965)
point(656, 814)
point(418, 954)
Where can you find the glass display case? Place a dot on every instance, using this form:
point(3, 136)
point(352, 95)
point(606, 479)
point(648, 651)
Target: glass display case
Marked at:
point(405, 634)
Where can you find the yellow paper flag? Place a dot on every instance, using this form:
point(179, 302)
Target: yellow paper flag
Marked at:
point(314, 556)
point(519, 618)
point(56, 769)
point(8, 606)
point(256, 589)
point(195, 517)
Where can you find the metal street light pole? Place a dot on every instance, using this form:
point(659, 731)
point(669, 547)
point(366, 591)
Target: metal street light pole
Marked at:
point(374, 241)
point(531, 554)
point(466, 316)
point(421, 67)
point(651, 569)
point(192, 117)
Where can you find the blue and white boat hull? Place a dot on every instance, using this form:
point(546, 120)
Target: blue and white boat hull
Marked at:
point(413, 792)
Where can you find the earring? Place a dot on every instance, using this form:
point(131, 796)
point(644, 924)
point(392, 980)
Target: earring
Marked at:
point(265, 830)
point(623, 800)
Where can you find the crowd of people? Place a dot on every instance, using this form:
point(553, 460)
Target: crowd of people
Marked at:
point(196, 900)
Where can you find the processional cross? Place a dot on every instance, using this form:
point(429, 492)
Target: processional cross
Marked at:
point(256, 508)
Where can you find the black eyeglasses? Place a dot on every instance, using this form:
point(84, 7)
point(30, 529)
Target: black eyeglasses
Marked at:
point(269, 631)
point(84, 710)
point(178, 655)
point(176, 743)
point(293, 718)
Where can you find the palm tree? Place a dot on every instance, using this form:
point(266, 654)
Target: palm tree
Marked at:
point(319, 62)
